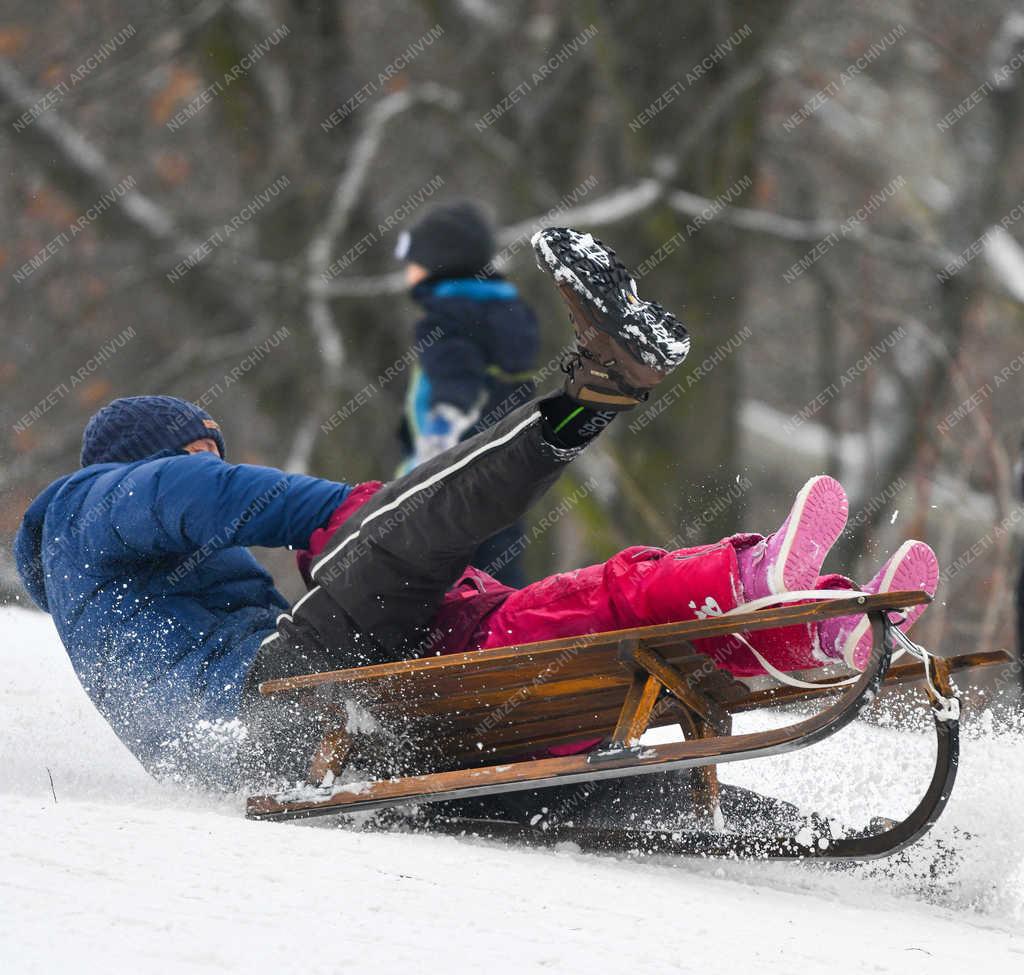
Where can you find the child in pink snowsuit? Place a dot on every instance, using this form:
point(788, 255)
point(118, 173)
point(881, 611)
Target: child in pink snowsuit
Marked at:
point(643, 586)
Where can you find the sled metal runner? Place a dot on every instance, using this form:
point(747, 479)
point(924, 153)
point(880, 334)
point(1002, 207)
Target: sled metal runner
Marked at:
point(487, 709)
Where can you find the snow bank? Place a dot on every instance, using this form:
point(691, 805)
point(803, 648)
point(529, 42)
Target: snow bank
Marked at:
point(122, 874)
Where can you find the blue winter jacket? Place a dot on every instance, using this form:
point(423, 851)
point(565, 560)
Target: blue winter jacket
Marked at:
point(478, 344)
point(157, 600)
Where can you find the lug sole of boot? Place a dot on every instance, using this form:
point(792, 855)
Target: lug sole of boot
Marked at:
point(602, 295)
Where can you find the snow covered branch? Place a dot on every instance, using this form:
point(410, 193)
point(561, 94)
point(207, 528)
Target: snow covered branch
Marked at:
point(1006, 260)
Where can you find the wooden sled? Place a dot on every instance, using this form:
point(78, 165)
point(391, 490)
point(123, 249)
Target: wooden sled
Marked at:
point(486, 712)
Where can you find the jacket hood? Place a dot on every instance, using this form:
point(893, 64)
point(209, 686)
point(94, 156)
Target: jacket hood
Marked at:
point(28, 545)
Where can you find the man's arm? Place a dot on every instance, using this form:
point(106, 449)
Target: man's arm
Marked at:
point(176, 505)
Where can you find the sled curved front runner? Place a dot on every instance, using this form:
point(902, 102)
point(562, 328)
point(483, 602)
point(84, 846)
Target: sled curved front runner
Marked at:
point(617, 684)
point(884, 837)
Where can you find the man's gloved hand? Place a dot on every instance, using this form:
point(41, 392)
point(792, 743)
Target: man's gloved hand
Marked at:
point(357, 497)
point(443, 427)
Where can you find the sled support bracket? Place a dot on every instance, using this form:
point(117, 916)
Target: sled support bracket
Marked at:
point(329, 758)
point(643, 694)
point(699, 716)
point(685, 688)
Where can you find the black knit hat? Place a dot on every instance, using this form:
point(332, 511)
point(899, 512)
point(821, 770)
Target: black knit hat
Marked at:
point(452, 239)
point(136, 427)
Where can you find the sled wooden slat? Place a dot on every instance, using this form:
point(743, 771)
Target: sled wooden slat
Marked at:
point(578, 710)
point(440, 692)
point(545, 653)
point(593, 717)
point(522, 737)
point(908, 672)
point(641, 696)
point(455, 703)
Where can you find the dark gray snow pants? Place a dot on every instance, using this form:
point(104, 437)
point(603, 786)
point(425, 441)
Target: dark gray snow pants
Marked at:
point(384, 573)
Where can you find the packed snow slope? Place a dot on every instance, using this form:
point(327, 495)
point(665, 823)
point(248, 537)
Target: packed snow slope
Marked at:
point(109, 871)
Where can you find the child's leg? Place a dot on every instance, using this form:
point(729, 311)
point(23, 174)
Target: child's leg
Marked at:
point(501, 556)
point(645, 587)
point(638, 587)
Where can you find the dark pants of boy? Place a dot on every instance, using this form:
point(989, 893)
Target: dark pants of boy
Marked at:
point(382, 576)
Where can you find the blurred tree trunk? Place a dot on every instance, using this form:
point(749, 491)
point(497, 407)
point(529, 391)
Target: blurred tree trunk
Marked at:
point(691, 462)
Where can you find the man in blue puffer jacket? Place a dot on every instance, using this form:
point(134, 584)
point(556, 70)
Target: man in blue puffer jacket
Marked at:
point(143, 565)
point(478, 344)
point(170, 623)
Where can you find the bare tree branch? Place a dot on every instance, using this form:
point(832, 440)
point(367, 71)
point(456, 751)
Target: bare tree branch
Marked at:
point(347, 193)
point(72, 162)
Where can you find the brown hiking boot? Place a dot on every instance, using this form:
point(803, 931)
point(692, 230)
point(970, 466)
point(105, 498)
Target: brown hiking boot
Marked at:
point(624, 346)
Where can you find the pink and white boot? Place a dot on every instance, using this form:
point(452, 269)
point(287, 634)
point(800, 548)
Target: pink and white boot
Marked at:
point(913, 566)
point(791, 558)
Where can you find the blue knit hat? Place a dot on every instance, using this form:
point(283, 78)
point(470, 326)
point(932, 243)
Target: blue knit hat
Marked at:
point(136, 427)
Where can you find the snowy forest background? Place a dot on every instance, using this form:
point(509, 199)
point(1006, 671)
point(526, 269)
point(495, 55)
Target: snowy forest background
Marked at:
point(202, 199)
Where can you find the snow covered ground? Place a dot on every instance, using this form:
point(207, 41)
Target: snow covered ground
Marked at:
point(118, 873)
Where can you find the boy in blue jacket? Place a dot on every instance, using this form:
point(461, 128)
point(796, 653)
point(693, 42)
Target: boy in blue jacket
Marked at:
point(141, 556)
point(478, 344)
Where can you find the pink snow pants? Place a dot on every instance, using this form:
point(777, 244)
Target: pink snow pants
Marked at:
point(643, 586)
